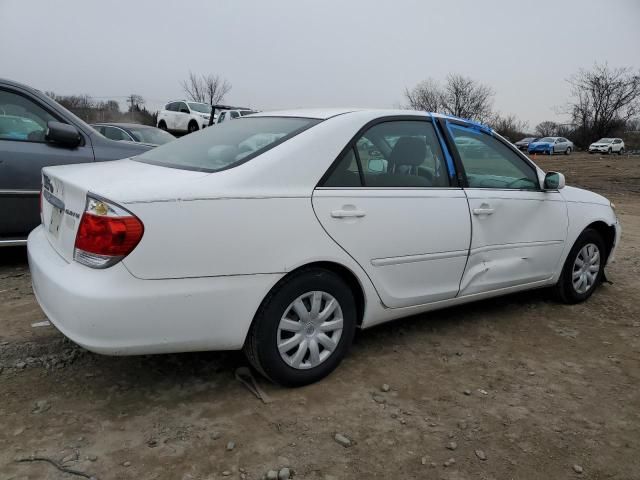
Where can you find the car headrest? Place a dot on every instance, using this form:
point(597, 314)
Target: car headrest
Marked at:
point(408, 151)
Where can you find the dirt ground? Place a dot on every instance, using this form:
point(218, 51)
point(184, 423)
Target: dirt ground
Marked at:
point(536, 388)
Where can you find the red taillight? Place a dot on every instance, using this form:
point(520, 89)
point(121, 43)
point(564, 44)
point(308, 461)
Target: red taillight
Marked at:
point(107, 233)
point(108, 236)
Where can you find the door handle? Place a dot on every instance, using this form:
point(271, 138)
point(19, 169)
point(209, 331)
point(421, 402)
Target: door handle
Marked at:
point(483, 211)
point(347, 214)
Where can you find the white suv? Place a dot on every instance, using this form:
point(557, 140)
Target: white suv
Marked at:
point(607, 145)
point(182, 116)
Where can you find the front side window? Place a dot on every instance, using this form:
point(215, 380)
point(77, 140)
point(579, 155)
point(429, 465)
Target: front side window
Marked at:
point(182, 107)
point(488, 163)
point(393, 154)
point(22, 119)
point(227, 145)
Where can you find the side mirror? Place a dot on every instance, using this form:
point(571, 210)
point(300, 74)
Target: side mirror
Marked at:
point(62, 134)
point(553, 181)
point(376, 165)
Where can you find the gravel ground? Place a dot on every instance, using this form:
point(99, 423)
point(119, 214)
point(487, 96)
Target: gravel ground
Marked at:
point(516, 387)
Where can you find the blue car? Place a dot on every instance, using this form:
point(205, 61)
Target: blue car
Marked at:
point(551, 145)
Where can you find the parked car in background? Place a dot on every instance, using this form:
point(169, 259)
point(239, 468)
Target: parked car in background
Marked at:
point(183, 116)
point(551, 145)
point(160, 254)
point(607, 145)
point(36, 132)
point(133, 132)
point(524, 143)
point(225, 115)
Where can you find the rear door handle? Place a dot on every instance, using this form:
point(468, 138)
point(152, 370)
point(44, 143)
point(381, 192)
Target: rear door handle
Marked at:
point(347, 213)
point(483, 211)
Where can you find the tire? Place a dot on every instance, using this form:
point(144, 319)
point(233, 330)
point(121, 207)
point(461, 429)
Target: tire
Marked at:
point(570, 291)
point(567, 151)
point(609, 151)
point(550, 151)
point(621, 151)
point(193, 127)
point(162, 125)
point(261, 345)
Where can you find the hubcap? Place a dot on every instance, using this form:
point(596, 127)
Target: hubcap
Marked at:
point(310, 330)
point(586, 268)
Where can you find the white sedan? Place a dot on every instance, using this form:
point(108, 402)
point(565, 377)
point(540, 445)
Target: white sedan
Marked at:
point(281, 233)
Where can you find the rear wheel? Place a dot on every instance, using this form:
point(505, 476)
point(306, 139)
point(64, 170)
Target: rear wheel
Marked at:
point(621, 151)
point(567, 151)
point(162, 125)
point(609, 151)
point(303, 328)
point(583, 268)
point(193, 126)
point(550, 151)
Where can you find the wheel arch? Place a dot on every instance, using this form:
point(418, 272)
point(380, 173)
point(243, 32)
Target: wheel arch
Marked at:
point(339, 269)
point(608, 233)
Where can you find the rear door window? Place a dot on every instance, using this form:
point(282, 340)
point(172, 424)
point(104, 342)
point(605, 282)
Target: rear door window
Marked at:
point(395, 154)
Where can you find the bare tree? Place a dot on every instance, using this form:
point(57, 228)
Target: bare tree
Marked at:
point(459, 96)
point(603, 99)
point(135, 102)
point(509, 126)
point(426, 96)
point(209, 89)
point(546, 128)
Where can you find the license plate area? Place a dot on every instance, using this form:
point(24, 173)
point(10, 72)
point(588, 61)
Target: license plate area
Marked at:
point(56, 212)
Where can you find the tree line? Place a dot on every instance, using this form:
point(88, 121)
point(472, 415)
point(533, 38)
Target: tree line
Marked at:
point(604, 102)
point(95, 111)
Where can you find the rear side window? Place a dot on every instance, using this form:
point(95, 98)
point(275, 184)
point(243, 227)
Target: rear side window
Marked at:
point(228, 145)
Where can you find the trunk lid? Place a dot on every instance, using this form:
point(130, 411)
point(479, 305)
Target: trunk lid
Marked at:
point(65, 188)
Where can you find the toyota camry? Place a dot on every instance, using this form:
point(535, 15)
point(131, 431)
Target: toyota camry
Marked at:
point(282, 233)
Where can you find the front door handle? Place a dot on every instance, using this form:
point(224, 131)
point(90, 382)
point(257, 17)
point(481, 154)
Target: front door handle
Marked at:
point(347, 214)
point(483, 211)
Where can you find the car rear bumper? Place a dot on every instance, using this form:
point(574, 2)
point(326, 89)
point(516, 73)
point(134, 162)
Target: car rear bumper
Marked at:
point(112, 312)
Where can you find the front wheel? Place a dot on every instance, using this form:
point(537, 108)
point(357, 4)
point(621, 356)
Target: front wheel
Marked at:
point(583, 268)
point(567, 151)
point(303, 329)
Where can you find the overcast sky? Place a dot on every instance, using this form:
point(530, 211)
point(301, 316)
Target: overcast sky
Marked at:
point(298, 53)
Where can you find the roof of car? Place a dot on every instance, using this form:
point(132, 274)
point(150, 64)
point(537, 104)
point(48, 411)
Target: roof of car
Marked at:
point(325, 113)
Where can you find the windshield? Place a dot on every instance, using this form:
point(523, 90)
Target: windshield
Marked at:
point(547, 140)
point(605, 140)
point(228, 144)
point(151, 135)
point(200, 107)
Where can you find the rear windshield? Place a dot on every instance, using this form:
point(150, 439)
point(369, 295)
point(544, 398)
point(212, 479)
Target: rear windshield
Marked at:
point(228, 144)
